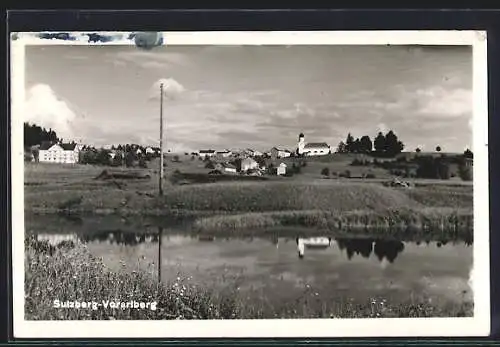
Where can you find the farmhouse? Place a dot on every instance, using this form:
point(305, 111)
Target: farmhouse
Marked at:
point(150, 150)
point(224, 154)
point(312, 148)
point(281, 169)
point(206, 153)
point(280, 153)
point(226, 167)
point(249, 164)
point(229, 168)
point(253, 153)
point(66, 153)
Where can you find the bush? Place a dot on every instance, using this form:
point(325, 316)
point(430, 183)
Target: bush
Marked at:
point(465, 173)
point(142, 163)
point(359, 162)
point(176, 159)
point(325, 171)
point(370, 175)
point(209, 165)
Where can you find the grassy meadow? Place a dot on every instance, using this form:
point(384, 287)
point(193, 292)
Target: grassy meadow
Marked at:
point(301, 200)
point(73, 272)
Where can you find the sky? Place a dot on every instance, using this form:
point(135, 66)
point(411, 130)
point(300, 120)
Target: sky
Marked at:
point(257, 97)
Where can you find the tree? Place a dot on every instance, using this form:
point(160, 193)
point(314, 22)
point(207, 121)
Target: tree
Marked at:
point(418, 150)
point(366, 145)
point(35, 135)
point(103, 157)
point(468, 154)
point(465, 173)
point(117, 160)
point(130, 159)
point(142, 163)
point(342, 147)
point(392, 145)
point(325, 171)
point(356, 146)
point(438, 149)
point(349, 143)
point(379, 143)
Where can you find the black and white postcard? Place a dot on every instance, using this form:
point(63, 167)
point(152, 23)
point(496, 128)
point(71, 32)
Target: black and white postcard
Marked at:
point(250, 184)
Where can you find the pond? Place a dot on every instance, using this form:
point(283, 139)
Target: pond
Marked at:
point(276, 266)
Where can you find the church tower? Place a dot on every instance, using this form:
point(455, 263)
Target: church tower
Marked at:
point(301, 144)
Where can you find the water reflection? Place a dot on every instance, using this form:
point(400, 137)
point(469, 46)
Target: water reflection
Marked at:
point(388, 249)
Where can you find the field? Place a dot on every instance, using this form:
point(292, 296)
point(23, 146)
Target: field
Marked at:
point(72, 272)
point(302, 200)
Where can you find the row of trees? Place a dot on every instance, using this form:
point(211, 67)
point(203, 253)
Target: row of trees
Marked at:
point(387, 145)
point(35, 135)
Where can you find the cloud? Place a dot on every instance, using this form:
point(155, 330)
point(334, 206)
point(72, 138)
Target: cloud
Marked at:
point(444, 102)
point(46, 109)
point(171, 89)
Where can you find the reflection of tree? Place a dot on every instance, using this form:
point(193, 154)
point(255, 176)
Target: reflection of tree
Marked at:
point(388, 249)
point(361, 247)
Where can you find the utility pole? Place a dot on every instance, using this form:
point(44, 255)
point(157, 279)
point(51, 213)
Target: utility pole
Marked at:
point(160, 182)
point(160, 234)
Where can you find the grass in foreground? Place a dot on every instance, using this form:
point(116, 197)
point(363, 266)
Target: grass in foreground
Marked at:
point(72, 273)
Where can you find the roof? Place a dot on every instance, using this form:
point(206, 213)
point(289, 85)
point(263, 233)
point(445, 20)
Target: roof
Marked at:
point(229, 166)
point(207, 150)
point(65, 146)
point(68, 146)
point(317, 145)
point(248, 160)
point(281, 149)
point(45, 145)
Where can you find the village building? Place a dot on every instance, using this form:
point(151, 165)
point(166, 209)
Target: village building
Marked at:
point(62, 153)
point(249, 164)
point(312, 148)
point(150, 150)
point(206, 153)
point(280, 153)
point(229, 168)
point(281, 169)
point(253, 153)
point(224, 154)
point(225, 167)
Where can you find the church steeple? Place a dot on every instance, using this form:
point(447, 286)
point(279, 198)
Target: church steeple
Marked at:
point(301, 144)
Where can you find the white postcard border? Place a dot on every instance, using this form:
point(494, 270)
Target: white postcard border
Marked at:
point(479, 325)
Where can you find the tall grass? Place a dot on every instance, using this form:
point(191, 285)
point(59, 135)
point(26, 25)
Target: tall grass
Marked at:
point(443, 222)
point(72, 273)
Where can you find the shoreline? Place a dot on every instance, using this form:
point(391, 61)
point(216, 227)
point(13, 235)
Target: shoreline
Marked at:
point(425, 223)
point(179, 299)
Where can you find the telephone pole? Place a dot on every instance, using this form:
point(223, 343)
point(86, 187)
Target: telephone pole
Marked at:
point(160, 182)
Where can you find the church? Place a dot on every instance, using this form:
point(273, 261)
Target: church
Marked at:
point(312, 148)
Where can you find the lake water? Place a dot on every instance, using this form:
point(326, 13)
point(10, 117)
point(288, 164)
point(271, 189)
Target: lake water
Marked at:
point(354, 270)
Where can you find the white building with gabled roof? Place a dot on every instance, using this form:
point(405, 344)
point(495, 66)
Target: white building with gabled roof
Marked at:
point(312, 148)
